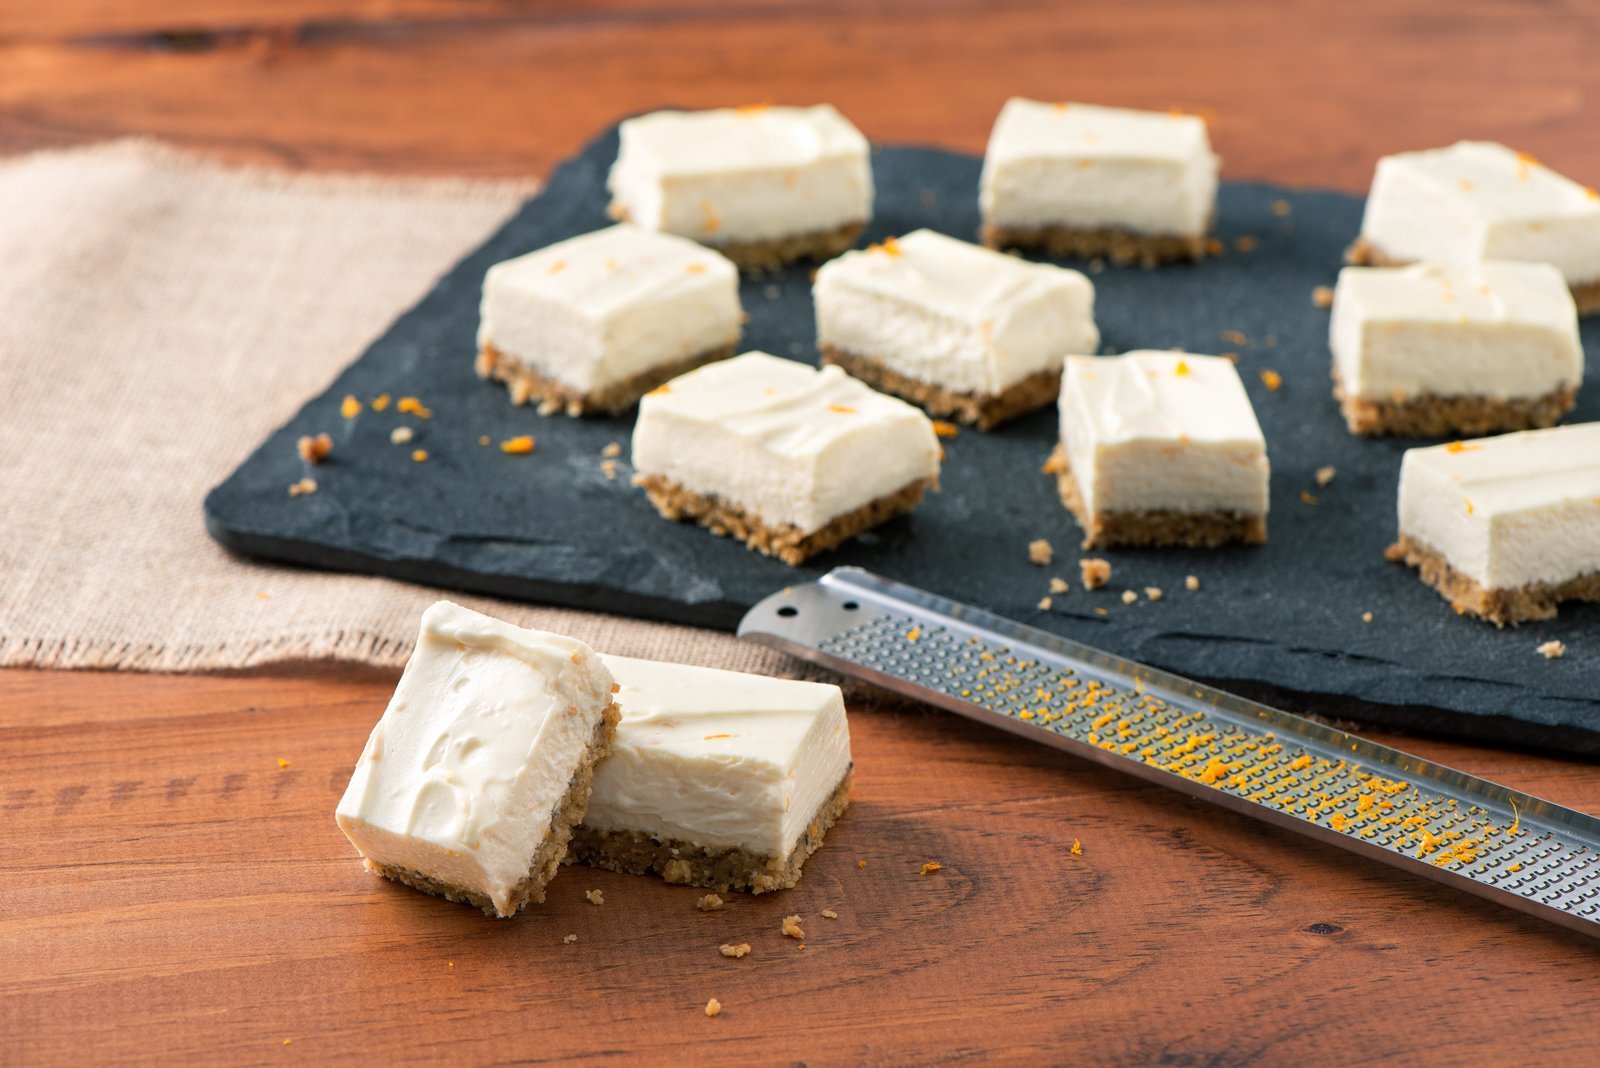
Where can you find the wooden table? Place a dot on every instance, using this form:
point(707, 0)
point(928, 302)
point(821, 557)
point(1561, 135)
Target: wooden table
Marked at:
point(171, 891)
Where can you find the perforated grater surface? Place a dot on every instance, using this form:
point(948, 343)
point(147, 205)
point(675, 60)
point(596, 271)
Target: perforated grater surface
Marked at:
point(1456, 829)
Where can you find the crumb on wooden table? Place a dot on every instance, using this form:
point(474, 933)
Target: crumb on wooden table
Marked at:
point(304, 486)
point(571, 938)
point(1322, 296)
point(402, 435)
point(735, 952)
point(791, 927)
point(1553, 650)
point(861, 864)
point(595, 897)
point(1191, 582)
point(1094, 572)
point(708, 903)
point(1040, 552)
point(713, 1007)
point(829, 914)
point(1059, 585)
point(314, 450)
point(1325, 475)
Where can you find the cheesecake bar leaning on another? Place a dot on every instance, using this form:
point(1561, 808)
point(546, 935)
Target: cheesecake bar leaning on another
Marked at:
point(1505, 528)
point(1477, 200)
point(718, 779)
point(590, 324)
point(472, 781)
point(1160, 448)
point(765, 185)
point(789, 459)
point(1080, 180)
point(962, 331)
point(1433, 351)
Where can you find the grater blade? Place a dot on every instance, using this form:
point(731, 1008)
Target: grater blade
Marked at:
point(1453, 828)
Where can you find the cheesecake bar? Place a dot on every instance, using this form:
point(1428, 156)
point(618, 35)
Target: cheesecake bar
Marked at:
point(963, 331)
point(590, 324)
point(718, 779)
point(1160, 448)
point(1477, 200)
point(472, 781)
point(765, 185)
point(1505, 528)
point(1433, 351)
point(792, 460)
point(1081, 180)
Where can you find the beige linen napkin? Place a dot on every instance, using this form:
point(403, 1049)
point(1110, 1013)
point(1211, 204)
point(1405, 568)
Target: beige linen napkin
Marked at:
point(159, 314)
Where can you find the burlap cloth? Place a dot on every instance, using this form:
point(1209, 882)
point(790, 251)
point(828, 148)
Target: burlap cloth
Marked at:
point(159, 314)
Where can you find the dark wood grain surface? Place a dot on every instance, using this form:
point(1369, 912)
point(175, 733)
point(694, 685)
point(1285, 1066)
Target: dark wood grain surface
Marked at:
point(170, 892)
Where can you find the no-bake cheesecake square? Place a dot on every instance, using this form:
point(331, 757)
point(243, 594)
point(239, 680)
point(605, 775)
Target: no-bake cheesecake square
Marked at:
point(471, 782)
point(1477, 200)
point(1160, 448)
point(765, 185)
point(1505, 528)
point(717, 779)
point(965, 332)
point(590, 324)
point(1086, 181)
point(1436, 351)
point(792, 460)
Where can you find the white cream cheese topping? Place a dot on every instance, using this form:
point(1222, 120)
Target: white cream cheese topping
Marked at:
point(1088, 167)
point(461, 775)
point(743, 174)
point(1497, 329)
point(1508, 511)
point(609, 305)
point(1152, 430)
point(954, 314)
point(719, 759)
point(1477, 200)
point(791, 443)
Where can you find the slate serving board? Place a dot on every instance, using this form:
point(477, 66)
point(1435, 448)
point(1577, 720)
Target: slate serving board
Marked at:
point(1284, 619)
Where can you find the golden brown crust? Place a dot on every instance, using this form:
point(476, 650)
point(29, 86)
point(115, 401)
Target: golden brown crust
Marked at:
point(1520, 604)
point(982, 410)
point(637, 853)
point(785, 542)
point(772, 254)
point(1363, 253)
point(1197, 530)
point(1121, 247)
point(566, 816)
point(1432, 415)
point(527, 384)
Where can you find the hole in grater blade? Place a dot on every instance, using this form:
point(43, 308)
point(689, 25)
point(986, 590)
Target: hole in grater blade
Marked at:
point(788, 611)
point(1305, 778)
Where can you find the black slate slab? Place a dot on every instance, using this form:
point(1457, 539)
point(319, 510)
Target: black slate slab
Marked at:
point(1286, 617)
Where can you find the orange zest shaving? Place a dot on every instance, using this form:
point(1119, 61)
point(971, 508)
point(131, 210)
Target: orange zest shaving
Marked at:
point(520, 445)
point(557, 267)
point(842, 409)
point(1271, 379)
point(945, 430)
point(380, 403)
point(913, 634)
point(1077, 848)
point(1182, 369)
point(420, 456)
point(350, 407)
point(1460, 446)
point(931, 867)
point(413, 406)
